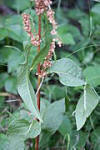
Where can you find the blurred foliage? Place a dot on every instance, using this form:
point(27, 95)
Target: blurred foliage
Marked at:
point(79, 30)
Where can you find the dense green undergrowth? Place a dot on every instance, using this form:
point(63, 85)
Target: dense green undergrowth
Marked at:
point(69, 115)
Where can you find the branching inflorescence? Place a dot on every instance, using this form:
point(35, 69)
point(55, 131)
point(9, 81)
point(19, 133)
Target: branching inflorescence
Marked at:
point(43, 6)
point(27, 27)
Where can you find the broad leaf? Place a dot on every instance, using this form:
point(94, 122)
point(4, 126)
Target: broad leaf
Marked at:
point(78, 140)
point(44, 104)
point(67, 39)
point(26, 91)
point(16, 32)
point(11, 85)
point(24, 128)
point(92, 75)
point(84, 23)
point(20, 115)
point(15, 143)
point(90, 99)
point(11, 142)
point(3, 142)
point(13, 27)
point(66, 127)
point(8, 54)
point(3, 78)
point(44, 139)
point(3, 33)
point(95, 138)
point(65, 35)
point(53, 116)
point(55, 92)
point(18, 4)
point(83, 137)
point(69, 73)
point(96, 9)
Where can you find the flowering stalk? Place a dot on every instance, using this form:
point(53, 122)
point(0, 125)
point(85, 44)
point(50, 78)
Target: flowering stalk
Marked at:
point(42, 6)
point(36, 42)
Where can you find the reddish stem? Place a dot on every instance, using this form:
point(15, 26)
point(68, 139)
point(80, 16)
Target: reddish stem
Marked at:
point(39, 80)
point(39, 33)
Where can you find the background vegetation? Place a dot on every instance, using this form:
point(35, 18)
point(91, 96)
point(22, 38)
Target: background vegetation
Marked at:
point(79, 29)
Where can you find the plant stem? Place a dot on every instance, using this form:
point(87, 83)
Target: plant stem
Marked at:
point(39, 33)
point(39, 80)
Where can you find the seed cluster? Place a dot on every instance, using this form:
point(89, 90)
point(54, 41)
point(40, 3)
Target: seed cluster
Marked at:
point(42, 6)
point(27, 27)
point(47, 63)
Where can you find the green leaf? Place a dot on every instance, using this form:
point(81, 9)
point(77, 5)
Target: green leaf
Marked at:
point(11, 85)
point(67, 39)
point(13, 25)
point(95, 138)
point(66, 127)
point(13, 20)
point(26, 91)
point(41, 55)
point(75, 13)
point(96, 9)
point(88, 58)
point(44, 139)
point(24, 128)
point(53, 116)
point(44, 104)
point(2, 105)
point(11, 143)
point(8, 55)
point(84, 23)
point(3, 142)
point(65, 36)
point(16, 32)
point(55, 92)
point(69, 73)
point(3, 78)
point(4, 55)
point(34, 129)
point(19, 115)
point(78, 140)
point(3, 33)
point(85, 106)
point(92, 75)
point(22, 124)
point(83, 137)
point(18, 5)
point(15, 143)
